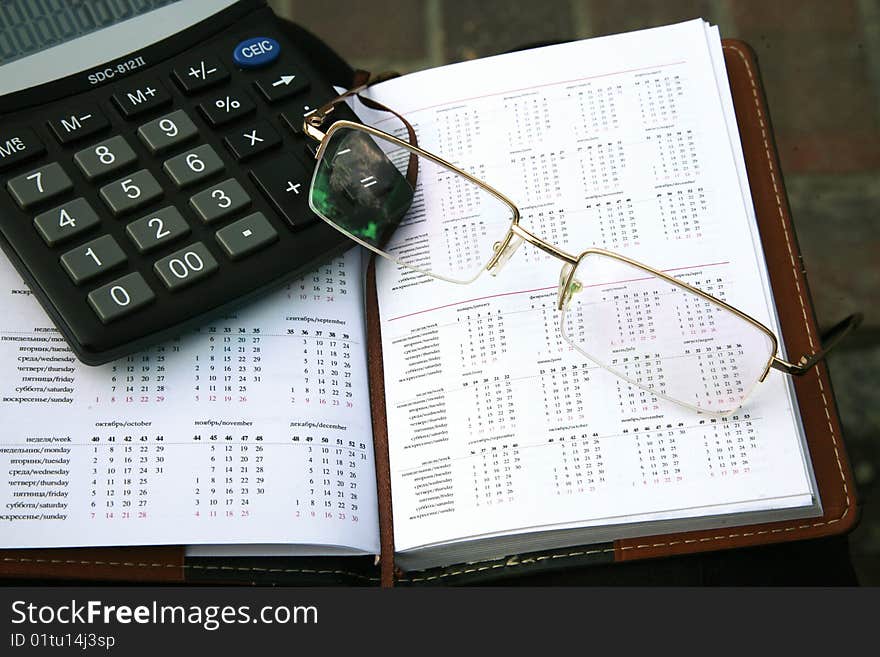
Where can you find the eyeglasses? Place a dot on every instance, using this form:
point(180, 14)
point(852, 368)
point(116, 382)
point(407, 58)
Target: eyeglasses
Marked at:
point(657, 332)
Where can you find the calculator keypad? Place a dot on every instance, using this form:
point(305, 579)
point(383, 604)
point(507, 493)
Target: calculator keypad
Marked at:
point(186, 266)
point(66, 221)
point(39, 185)
point(132, 192)
point(162, 195)
point(157, 228)
point(167, 132)
point(92, 259)
point(105, 157)
point(220, 201)
point(193, 166)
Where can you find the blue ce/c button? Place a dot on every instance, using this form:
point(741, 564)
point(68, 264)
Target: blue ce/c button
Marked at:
point(256, 52)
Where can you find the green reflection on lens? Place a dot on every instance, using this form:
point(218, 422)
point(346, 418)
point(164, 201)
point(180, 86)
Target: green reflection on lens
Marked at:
point(359, 189)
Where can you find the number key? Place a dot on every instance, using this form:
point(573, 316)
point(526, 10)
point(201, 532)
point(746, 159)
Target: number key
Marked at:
point(135, 191)
point(157, 228)
point(105, 157)
point(167, 131)
point(195, 165)
point(222, 200)
point(46, 182)
point(185, 266)
point(92, 259)
point(61, 223)
point(122, 296)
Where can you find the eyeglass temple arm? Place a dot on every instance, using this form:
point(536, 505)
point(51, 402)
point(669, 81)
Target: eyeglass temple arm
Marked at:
point(830, 339)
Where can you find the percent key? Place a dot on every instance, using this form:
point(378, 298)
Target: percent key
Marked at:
point(226, 107)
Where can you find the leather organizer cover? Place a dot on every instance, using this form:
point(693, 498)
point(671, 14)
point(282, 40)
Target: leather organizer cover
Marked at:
point(815, 398)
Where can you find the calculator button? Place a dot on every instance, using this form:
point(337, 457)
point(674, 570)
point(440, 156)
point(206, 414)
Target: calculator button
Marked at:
point(39, 185)
point(61, 223)
point(200, 73)
point(256, 52)
point(84, 121)
point(281, 84)
point(167, 131)
point(194, 165)
point(227, 107)
point(219, 201)
point(252, 140)
point(294, 121)
point(132, 192)
point(185, 266)
point(308, 103)
point(247, 235)
point(92, 259)
point(285, 183)
point(157, 228)
point(105, 157)
point(121, 297)
point(19, 145)
point(143, 97)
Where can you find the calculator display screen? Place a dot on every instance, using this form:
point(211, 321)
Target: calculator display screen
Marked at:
point(27, 27)
point(45, 40)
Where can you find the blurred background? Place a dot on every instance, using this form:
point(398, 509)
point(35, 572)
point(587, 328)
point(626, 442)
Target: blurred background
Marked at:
point(820, 61)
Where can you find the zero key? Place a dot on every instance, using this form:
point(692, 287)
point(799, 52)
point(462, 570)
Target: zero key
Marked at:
point(120, 297)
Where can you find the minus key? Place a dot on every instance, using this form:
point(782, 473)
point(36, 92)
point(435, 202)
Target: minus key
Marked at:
point(245, 236)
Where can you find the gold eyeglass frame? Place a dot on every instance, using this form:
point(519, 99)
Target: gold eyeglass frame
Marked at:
point(506, 247)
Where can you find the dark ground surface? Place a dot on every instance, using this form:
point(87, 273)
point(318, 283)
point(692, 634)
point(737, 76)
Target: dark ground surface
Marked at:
point(820, 62)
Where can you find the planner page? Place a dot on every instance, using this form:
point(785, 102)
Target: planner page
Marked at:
point(496, 425)
point(252, 429)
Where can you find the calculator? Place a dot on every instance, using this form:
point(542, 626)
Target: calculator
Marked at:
point(153, 169)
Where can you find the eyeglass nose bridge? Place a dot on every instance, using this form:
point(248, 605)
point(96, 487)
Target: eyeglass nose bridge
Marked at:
point(504, 251)
point(568, 286)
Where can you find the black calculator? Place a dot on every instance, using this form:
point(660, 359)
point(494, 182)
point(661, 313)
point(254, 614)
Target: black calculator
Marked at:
point(153, 169)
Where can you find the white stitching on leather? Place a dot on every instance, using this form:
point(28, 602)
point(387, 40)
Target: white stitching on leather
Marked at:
point(131, 564)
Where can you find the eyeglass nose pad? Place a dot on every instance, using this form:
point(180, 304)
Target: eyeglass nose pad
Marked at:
point(568, 287)
point(500, 260)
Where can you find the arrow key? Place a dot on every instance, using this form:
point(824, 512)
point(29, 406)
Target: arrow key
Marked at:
point(281, 84)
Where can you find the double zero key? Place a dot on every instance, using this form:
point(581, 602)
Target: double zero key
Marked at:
point(186, 266)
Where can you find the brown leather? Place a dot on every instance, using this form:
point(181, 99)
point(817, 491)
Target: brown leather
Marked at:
point(124, 564)
point(799, 331)
point(380, 428)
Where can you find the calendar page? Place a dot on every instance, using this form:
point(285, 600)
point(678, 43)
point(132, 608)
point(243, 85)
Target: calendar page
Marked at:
point(496, 426)
point(253, 429)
